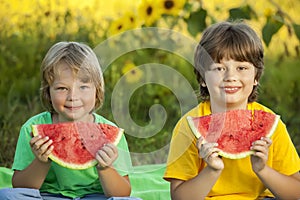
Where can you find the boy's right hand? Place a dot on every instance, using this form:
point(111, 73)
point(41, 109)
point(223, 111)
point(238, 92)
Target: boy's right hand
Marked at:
point(41, 148)
point(209, 153)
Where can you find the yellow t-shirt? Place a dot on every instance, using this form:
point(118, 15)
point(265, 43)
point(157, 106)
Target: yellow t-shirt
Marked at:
point(237, 180)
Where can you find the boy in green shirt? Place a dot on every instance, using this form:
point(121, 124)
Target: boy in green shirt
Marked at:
point(72, 88)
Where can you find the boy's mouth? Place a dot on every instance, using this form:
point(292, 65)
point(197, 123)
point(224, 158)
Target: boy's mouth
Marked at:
point(73, 107)
point(231, 90)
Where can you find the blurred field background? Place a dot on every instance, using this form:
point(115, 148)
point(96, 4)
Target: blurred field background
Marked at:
point(29, 28)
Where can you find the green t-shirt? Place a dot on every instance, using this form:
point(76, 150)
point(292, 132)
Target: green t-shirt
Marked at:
point(68, 182)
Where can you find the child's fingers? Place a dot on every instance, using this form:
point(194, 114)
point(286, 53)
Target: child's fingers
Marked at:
point(208, 149)
point(215, 154)
point(34, 140)
point(261, 147)
point(44, 147)
point(102, 155)
point(41, 147)
point(107, 155)
point(200, 142)
point(37, 141)
point(267, 140)
point(48, 152)
point(103, 159)
point(258, 149)
point(110, 149)
point(263, 143)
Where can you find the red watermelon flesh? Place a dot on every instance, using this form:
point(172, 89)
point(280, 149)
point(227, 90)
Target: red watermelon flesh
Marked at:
point(235, 130)
point(94, 141)
point(76, 143)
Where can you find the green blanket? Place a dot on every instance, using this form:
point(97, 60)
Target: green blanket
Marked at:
point(146, 182)
point(5, 177)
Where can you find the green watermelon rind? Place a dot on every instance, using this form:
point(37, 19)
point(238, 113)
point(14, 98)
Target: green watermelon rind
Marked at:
point(87, 165)
point(192, 127)
point(244, 154)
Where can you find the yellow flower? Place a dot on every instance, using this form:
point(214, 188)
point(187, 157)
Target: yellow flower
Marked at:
point(131, 72)
point(131, 19)
point(149, 11)
point(268, 12)
point(171, 7)
point(124, 23)
point(117, 26)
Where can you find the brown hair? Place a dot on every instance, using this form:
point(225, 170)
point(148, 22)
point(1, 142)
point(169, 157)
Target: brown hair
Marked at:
point(231, 40)
point(80, 58)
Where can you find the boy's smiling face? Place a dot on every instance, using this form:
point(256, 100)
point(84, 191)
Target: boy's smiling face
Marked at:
point(229, 84)
point(72, 98)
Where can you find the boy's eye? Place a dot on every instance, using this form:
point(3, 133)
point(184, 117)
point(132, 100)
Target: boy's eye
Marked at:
point(84, 87)
point(61, 88)
point(219, 68)
point(242, 68)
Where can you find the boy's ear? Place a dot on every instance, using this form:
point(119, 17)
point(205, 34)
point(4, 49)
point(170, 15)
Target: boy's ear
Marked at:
point(255, 82)
point(203, 84)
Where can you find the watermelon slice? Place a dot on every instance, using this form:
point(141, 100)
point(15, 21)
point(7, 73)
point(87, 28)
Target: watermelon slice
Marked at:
point(76, 143)
point(235, 130)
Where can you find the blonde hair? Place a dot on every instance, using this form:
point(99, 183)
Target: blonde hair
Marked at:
point(80, 58)
point(230, 40)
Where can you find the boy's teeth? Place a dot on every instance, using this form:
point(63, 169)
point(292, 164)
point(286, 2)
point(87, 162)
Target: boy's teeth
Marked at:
point(230, 88)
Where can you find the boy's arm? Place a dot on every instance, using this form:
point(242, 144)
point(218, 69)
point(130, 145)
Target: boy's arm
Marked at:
point(282, 186)
point(201, 185)
point(196, 188)
point(33, 176)
point(113, 183)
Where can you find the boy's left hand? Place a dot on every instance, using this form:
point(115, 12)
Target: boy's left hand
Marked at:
point(106, 156)
point(261, 153)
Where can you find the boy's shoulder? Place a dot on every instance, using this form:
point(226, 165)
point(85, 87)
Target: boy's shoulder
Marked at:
point(202, 109)
point(100, 119)
point(41, 118)
point(257, 106)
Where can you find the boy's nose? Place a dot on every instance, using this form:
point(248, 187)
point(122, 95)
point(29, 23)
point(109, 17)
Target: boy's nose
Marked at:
point(73, 95)
point(230, 74)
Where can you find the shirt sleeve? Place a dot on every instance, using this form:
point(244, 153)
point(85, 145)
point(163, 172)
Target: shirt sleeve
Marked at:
point(23, 155)
point(183, 160)
point(283, 155)
point(123, 163)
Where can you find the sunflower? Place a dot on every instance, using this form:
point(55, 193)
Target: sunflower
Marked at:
point(171, 7)
point(131, 72)
point(131, 19)
point(149, 11)
point(124, 23)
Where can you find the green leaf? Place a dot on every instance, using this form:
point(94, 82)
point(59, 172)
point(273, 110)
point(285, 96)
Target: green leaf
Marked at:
point(188, 6)
point(196, 22)
point(244, 12)
point(270, 28)
point(297, 30)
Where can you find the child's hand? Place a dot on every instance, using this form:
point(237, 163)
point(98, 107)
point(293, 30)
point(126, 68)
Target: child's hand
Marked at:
point(209, 153)
point(106, 156)
point(261, 153)
point(41, 147)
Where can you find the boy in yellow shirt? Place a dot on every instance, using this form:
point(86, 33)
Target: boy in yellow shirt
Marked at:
point(228, 65)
